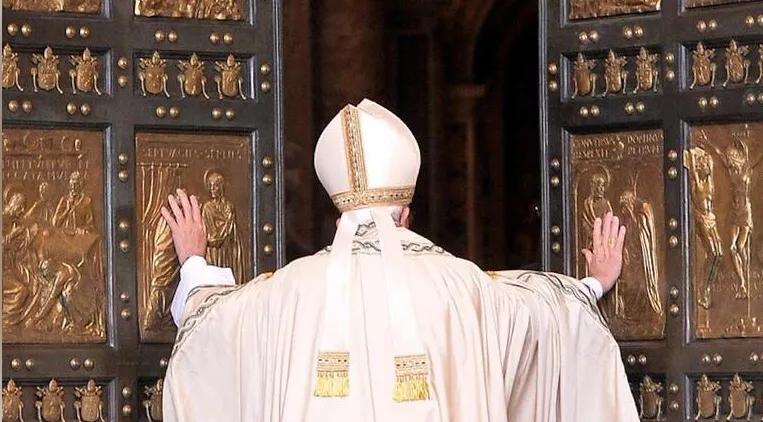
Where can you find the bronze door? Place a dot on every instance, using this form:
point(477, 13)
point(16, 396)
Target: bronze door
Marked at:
point(108, 106)
point(654, 109)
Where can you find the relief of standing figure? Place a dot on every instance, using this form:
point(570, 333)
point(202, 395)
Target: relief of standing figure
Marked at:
point(736, 158)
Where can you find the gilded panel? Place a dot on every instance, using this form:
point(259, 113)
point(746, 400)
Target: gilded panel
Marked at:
point(191, 77)
point(650, 392)
point(726, 257)
point(53, 266)
point(191, 9)
point(689, 4)
point(622, 172)
point(725, 66)
point(725, 397)
point(54, 400)
point(53, 6)
point(216, 168)
point(46, 70)
point(614, 74)
point(587, 9)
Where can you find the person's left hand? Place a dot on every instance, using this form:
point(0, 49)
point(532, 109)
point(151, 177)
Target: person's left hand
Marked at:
point(188, 232)
point(605, 261)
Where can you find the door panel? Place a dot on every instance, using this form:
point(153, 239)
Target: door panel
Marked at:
point(108, 106)
point(689, 136)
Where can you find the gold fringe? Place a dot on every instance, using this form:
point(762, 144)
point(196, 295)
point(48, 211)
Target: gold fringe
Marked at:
point(412, 378)
point(333, 375)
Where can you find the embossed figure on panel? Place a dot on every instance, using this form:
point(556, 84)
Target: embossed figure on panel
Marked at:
point(192, 80)
point(50, 407)
point(640, 251)
point(166, 161)
point(153, 404)
point(17, 237)
point(46, 75)
point(583, 77)
point(621, 172)
point(53, 270)
point(190, 9)
point(708, 400)
point(230, 81)
point(76, 6)
point(219, 215)
point(89, 405)
point(740, 401)
point(596, 204)
point(724, 209)
point(153, 75)
point(700, 166)
point(615, 75)
point(13, 407)
point(218, 9)
point(11, 69)
point(650, 399)
point(586, 9)
point(760, 64)
point(736, 158)
point(85, 73)
point(647, 73)
point(43, 209)
point(702, 68)
point(737, 66)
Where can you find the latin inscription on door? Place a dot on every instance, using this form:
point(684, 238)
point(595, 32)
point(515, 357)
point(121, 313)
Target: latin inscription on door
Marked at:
point(53, 266)
point(622, 172)
point(215, 168)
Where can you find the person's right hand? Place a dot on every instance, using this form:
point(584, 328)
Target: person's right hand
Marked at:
point(188, 232)
point(605, 260)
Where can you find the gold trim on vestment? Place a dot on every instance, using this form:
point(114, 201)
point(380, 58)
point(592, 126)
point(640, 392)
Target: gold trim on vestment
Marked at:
point(333, 375)
point(411, 378)
point(360, 195)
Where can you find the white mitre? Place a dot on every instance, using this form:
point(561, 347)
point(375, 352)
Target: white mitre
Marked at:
point(368, 160)
point(367, 157)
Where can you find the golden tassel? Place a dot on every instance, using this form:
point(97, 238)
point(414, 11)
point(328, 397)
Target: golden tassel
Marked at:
point(412, 378)
point(333, 375)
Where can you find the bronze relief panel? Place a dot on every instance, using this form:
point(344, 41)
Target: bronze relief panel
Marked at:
point(690, 4)
point(75, 72)
point(54, 401)
point(53, 6)
point(191, 9)
point(217, 169)
point(727, 264)
point(191, 77)
point(725, 397)
point(151, 403)
point(725, 65)
point(622, 172)
point(614, 74)
point(53, 237)
point(587, 9)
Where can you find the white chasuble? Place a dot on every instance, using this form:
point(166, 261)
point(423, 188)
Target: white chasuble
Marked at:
point(502, 346)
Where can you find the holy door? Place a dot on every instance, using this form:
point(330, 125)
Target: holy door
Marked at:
point(108, 107)
point(654, 110)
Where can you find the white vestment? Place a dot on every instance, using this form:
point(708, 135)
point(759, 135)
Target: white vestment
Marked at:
point(505, 346)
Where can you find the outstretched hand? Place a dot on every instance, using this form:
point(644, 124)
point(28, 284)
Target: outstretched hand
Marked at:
point(188, 232)
point(605, 260)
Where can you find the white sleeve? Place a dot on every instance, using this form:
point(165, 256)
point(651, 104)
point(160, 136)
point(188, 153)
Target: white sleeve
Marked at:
point(595, 285)
point(194, 273)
